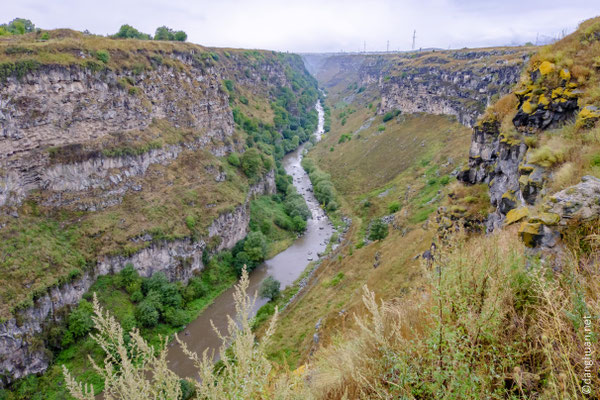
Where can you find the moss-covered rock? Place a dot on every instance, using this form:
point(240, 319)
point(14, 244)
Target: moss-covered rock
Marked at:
point(531, 233)
point(516, 215)
point(546, 218)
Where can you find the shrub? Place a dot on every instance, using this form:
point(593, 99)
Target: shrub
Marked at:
point(166, 33)
point(146, 314)
point(103, 55)
point(251, 162)
point(128, 275)
point(190, 222)
point(18, 26)
point(393, 207)
point(181, 36)
point(444, 180)
point(255, 246)
point(129, 32)
point(270, 288)
point(379, 230)
point(80, 320)
point(299, 223)
point(234, 159)
point(381, 128)
point(175, 317)
point(195, 289)
point(228, 85)
point(391, 114)
point(137, 296)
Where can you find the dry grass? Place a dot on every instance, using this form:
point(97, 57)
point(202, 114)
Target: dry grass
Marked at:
point(486, 327)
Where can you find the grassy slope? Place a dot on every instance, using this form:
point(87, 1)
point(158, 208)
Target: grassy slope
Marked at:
point(414, 151)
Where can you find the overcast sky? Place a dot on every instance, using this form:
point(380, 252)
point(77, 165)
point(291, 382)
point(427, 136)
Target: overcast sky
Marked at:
point(320, 25)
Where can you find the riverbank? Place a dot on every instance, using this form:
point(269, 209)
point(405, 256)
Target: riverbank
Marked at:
point(286, 267)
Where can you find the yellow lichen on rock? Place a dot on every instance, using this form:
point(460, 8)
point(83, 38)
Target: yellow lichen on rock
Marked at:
point(543, 100)
point(529, 232)
point(557, 92)
point(546, 218)
point(565, 74)
point(516, 215)
point(546, 67)
point(528, 107)
point(589, 112)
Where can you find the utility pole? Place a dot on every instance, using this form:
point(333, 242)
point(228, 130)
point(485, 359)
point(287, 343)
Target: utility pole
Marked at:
point(414, 38)
point(388, 47)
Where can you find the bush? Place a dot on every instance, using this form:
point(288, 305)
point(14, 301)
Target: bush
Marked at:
point(391, 114)
point(175, 317)
point(251, 162)
point(234, 159)
point(166, 33)
point(228, 85)
point(170, 296)
point(146, 314)
point(240, 261)
point(255, 246)
point(17, 26)
point(190, 222)
point(299, 224)
point(155, 283)
point(80, 320)
point(128, 275)
point(379, 230)
point(195, 289)
point(103, 55)
point(270, 288)
point(393, 207)
point(129, 32)
point(181, 36)
point(137, 296)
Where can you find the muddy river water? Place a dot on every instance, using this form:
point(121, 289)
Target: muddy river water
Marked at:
point(286, 267)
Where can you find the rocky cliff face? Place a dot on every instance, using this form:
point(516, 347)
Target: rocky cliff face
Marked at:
point(21, 354)
point(455, 82)
point(501, 156)
point(81, 138)
point(463, 93)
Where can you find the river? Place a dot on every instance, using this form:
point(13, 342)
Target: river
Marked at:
point(286, 267)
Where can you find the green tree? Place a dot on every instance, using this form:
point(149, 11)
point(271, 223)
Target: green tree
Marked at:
point(269, 288)
point(166, 33)
point(80, 320)
point(255, 246)
point(379, 230)
point(129, 32)
point(251, 162)
point(146, 314)
point(103, 56)
point(19, 26)
point(181, 36)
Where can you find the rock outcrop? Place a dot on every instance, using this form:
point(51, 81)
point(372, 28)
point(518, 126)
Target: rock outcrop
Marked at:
point(432, 89)
point(503, 160)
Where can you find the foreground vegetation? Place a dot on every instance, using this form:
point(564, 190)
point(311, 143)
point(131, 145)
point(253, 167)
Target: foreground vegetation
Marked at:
point(483, 324)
